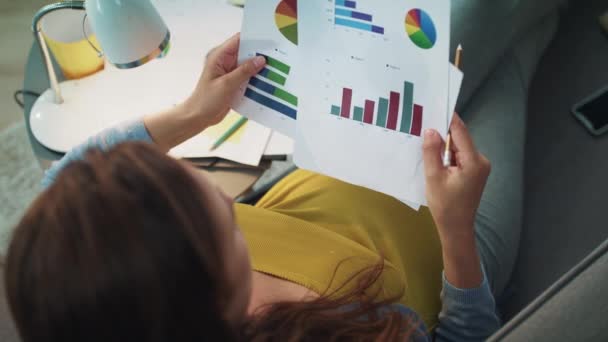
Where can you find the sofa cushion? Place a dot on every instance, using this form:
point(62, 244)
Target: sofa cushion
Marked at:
point(573, 309)
point(487, 29)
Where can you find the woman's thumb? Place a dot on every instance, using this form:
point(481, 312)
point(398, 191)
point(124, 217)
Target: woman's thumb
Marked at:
point(245, 71)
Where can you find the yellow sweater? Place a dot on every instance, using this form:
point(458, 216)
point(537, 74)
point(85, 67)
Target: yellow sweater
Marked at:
point(309, 224)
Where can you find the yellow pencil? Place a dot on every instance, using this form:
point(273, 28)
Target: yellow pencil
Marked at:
point(235, 127)
point(447, 154)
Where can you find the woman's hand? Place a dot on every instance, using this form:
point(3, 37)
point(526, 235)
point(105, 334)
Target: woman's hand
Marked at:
point(221, 80)
point(454, 194)
point(210, 101)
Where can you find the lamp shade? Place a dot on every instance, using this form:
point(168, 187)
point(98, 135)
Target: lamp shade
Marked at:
point(130, 32)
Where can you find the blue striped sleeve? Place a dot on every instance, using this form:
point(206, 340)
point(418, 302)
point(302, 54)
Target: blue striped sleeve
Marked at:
point(467, 314)
point(128, 131)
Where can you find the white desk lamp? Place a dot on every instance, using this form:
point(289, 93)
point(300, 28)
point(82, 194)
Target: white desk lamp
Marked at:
point(130, 33)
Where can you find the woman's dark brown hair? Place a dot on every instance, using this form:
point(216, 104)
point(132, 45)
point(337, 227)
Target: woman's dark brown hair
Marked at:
point(122, 247)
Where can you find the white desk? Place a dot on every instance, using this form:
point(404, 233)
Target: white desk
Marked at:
point(112, 96)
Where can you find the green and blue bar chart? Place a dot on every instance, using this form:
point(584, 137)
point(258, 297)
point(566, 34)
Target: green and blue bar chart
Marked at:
point(267, 88)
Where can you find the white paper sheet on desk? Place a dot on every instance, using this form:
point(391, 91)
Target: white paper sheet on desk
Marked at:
point(246, 146)
point(279, 145)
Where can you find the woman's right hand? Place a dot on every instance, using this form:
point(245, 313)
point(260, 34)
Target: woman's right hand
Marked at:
point(453, 195)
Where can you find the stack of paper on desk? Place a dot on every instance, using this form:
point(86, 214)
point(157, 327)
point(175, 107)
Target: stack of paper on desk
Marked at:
point(246, 146)
point(355, 83)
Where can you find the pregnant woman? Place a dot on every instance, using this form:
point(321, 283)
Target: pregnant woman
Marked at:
point(127, 244)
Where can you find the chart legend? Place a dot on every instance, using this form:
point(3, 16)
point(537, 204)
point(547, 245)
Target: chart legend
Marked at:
point(286, 18)
point(396, 112)
point(347, 15)
point(421, 29)
point(266, 88)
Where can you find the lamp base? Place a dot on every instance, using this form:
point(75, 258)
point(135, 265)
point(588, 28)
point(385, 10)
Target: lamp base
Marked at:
point(91, 105)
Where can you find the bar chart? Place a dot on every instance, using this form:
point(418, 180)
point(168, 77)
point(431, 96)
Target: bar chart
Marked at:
point(347, 15)
point(396, 112)
point(266, 88)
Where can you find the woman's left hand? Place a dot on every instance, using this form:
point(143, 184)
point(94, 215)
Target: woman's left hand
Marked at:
point(210, 101)
point(221, 80)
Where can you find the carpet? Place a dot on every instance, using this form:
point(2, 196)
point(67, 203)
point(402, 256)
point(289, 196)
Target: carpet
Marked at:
point(20, 176)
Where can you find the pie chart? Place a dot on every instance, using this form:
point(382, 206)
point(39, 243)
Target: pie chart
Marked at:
point(421, 29)
point(286, 18)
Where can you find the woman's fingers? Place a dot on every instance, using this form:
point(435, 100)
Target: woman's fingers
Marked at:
point(232, 44)
point(432, 149)
point(244, 72)
point(222, 65)
point(468, 156)
point(461, 139)
point(223, 59)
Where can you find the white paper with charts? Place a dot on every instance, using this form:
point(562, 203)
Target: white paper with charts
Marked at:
point(270, 29)
point(376, 77)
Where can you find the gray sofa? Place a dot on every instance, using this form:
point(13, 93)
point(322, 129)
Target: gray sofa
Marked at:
point(500, 65)
point(575, 308)
point(504, 42)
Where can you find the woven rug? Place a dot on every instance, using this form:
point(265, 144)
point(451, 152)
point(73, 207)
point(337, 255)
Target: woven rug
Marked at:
point(20, 177)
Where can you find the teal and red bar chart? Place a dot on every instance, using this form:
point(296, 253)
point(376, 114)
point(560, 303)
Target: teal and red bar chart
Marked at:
point(397, 112)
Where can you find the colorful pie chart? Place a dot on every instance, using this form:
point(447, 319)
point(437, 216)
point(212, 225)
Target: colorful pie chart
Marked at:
point(421, 29)
point(286, 18)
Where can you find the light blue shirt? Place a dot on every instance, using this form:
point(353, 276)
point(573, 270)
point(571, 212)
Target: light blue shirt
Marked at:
point(466, 314)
